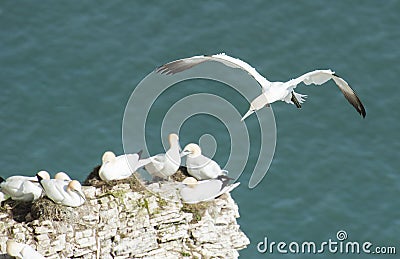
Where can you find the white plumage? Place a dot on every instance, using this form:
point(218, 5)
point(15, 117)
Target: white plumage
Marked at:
point(165, 165)
point(200, 166)
point(271, 91)
point(22, 188)
point(119, 167)
point(194, 191)
point(68, 193)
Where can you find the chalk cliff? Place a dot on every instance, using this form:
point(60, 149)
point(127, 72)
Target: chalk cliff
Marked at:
point(118, 222)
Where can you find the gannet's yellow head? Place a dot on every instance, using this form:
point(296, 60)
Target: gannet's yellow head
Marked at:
point(173, 139)
point(190, 181)
point(191, 150)
point(62, 176)
point(108, 156)
point(258, 103)
point(75, 186)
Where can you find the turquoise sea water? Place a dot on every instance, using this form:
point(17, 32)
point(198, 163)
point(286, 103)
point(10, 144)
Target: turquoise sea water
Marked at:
point(68, 69)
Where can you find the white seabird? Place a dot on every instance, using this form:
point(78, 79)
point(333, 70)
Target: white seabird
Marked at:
point(200, 166)
point(271, 91)
point(22, 251)
point(165, 165)
point(22, 188)
point(62, 176)
point(194, 191)
point(63, 192)
point(119, 167)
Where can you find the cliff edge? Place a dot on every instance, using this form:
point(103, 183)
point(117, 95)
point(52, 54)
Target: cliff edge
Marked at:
point(118, 222)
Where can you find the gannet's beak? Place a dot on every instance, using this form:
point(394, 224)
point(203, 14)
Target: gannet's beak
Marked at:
point(185, 153)
point(248, 113)
point(81, 194)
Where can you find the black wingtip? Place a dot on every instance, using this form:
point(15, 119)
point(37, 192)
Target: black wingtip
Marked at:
point(2, 179)
point(160, 69)
point(360, 108)
point(363, 113)
point(225, 180)
point(40, 180)
point(39, 177)
point(140, 153)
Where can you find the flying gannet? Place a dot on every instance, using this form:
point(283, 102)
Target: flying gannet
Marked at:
point(271, 91)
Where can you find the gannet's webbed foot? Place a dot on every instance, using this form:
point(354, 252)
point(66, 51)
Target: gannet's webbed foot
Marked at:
point(295, 101)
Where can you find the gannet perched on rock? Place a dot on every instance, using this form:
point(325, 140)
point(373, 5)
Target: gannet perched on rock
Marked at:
point(62, 176)
point(119, 167)
point(194, 191)
point(68, 193)
point(22, 188)
point(271, 91)
point(165, 165)
point(200, 166)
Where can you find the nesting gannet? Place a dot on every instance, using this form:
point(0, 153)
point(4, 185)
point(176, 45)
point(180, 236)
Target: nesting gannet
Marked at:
point(200, 166)
point(22, 251)
point(271, 91)
point(62, 176)
point(22, 188)
point(165, 165)
point(194, 191)
point(119, 167)
point(63, 192)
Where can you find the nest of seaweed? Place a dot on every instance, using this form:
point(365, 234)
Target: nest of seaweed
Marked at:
point(197, 209)
point(135, 181)
point(181, 174)
point(44, 208)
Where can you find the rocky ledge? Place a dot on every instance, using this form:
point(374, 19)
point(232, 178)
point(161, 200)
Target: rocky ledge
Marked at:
point(118, 222)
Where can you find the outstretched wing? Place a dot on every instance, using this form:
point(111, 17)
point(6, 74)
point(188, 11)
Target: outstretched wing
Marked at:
point(187, 63)
point(319, 77)
point(180, 65)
